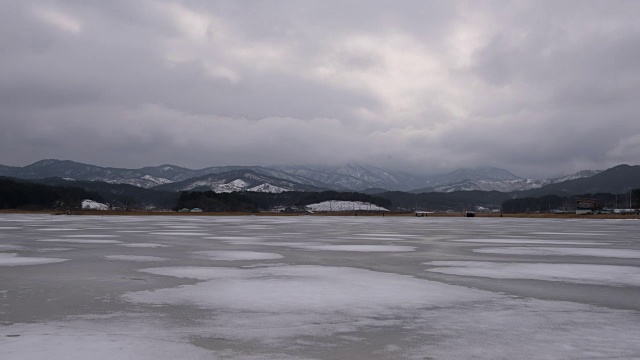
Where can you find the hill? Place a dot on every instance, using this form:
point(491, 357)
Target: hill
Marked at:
point(616, 180)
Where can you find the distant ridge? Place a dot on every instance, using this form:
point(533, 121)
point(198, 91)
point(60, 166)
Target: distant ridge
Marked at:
point(616, 180)
point(348, 177)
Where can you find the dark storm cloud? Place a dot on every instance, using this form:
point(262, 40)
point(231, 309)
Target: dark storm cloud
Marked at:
point(539, 88)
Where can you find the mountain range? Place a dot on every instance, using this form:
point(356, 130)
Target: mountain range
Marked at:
point(349, 177)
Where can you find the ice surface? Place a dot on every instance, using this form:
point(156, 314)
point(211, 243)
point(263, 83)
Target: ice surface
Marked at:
point(11, 259)
point(574, 273)
point(4, 247)
point(82, 340)
point(237, 255)
point(562, 251)
point(276, 305)
point(139, 258)
point(320, 304)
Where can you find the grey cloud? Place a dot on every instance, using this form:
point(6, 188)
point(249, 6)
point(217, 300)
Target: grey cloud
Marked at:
point(539, 88)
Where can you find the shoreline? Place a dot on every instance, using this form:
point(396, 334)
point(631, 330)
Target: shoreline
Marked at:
point(342, 214)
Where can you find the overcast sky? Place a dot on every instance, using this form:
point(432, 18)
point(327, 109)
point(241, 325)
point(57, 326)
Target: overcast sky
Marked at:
point(539, 88)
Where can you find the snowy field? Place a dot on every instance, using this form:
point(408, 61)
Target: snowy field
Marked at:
point(92, 287)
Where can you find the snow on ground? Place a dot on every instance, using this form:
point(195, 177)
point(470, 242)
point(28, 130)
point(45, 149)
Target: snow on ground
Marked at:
point(562, 251)
point(139, 258)
point(268, 188)
point(237, 255)
point(157, 180)
point(339, 205)
point(94, 205)
point(613, 275)
point(12, 259)
point(233, 186)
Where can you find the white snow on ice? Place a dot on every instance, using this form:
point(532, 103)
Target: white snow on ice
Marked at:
point(357, 248)
point(612, 275)
point(139, 258)
point(531, 241)
point(143, 245)
point(562, 251)
point(12, 259)
point(83, 241)
point(302, 289)
point(179, 233)
point(274, 305)
point(237, 255)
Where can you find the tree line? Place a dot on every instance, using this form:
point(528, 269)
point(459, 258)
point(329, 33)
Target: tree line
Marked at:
point(255, 201)
point(29, 196)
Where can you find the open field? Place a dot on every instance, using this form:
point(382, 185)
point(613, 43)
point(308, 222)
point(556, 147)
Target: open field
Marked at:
point(318, 287)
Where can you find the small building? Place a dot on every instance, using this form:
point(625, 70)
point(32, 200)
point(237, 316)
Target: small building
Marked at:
point(423, 213)
point(586, 206)
point(196, 210)
point(184, 210)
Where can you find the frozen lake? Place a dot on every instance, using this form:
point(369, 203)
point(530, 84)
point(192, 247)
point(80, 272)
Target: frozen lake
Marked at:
point(198, 287)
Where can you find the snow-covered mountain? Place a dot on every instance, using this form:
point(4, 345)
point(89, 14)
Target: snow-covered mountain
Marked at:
point(488, 178)
point(340, 205)
point(354, 177)
point(237, 180)
point(349, 177)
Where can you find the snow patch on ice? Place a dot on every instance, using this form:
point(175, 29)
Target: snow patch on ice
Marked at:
point(83, 241)
point(143, 245)
point(12, 259)
point(302, 289)
point(179, 233)
point(139, 258)
point(237, 255)
point(562, 251)
point(358, 248)
point(611, 275)
point(531, 241)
